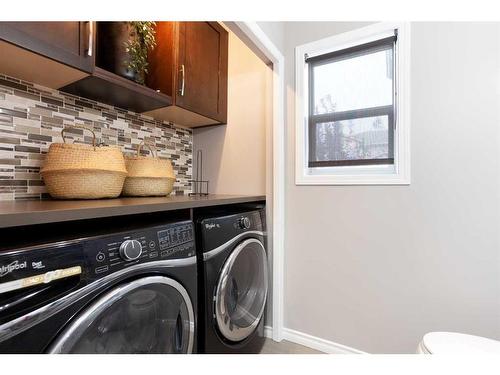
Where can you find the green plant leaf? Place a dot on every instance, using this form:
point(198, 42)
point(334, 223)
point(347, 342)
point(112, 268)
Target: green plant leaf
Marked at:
point(142, 40)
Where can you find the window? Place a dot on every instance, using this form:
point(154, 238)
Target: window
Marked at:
point(352, 123)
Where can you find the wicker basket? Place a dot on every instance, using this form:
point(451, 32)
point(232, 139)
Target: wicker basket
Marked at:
point(75, 171)
point(148, 176)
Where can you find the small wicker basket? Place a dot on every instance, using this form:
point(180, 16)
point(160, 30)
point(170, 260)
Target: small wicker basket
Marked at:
point(148, 176)
point(76, 171)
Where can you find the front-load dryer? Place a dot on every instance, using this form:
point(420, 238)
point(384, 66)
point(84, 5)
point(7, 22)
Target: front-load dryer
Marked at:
point(233, 269)
point(123, 292)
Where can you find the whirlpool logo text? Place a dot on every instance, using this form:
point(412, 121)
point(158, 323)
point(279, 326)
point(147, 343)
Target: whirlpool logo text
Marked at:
point(212, 226)
point(14, 266)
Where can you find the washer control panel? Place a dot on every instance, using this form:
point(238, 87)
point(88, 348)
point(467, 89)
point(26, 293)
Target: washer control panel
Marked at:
point(111, 253)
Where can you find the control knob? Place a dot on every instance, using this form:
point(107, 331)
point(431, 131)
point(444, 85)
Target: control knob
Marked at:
point(244, 223)
point(130, 250)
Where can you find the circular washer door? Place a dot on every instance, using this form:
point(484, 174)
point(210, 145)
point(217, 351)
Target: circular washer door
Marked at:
point(241, 292)
point(149, 315)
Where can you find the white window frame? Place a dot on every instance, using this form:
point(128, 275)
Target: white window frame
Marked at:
point(399, 173)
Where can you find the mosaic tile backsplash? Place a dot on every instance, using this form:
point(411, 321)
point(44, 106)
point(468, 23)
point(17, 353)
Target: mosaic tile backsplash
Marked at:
point(32, 116)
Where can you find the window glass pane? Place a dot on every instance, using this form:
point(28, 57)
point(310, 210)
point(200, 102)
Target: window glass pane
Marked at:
point(359, 82)
point(356, 139)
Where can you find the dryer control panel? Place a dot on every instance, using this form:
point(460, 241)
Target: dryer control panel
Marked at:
point(111, 253)
point(217, 231)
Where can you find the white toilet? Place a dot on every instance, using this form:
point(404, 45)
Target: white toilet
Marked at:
point(457, 343)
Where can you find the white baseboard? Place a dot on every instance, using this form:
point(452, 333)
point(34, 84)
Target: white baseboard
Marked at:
point(313, 342)
point(317, 343)
point(268, 332)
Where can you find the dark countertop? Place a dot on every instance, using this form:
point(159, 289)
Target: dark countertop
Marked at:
point(18, 213)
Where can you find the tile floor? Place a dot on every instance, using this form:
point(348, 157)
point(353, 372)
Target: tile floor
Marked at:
point(286, 347)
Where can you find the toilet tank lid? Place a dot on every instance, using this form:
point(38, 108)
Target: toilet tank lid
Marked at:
point(459, 343)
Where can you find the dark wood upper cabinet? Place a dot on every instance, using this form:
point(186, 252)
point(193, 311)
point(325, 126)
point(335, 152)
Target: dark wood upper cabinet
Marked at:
point(69, 43)
point(187, 74)
point(202, 86)
point(190, 64)
point(107, 83)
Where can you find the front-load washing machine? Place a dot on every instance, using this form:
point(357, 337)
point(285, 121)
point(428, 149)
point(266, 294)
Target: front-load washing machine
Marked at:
point(126, 292)
point(233, 269)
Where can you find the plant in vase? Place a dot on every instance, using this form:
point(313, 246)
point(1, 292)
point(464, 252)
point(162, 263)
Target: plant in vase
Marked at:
point(141, 40)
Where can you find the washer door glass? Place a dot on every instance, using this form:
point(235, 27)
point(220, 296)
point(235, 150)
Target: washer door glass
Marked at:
point(242, 290)
point(148, 315)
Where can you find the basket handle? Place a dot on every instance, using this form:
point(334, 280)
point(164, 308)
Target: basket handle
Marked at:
point(151, 148)
point(78, 127)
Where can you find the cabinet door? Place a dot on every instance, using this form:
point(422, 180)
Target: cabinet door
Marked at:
point(202, 69)
point(70, 43)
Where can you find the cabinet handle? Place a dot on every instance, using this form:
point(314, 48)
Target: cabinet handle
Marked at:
point(183, 80)
point(91, 38)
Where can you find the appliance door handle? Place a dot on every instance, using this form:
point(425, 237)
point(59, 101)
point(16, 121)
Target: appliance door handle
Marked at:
point(183, 80)
point(223, 295)
point(178, 334)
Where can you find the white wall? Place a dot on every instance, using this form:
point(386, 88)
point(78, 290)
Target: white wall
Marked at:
point(276, 32)
point(376, 267)
point(234, 156)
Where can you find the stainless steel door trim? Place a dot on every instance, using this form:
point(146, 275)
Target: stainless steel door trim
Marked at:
point(237, 333)
point(224, 246)
point(73, 332)
point(22, 323)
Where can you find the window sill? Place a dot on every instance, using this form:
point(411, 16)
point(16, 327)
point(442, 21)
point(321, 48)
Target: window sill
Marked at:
point(363, 179)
